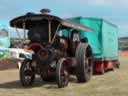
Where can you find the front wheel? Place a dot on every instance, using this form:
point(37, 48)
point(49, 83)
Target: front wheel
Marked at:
point(62, 75)
point(27, 74)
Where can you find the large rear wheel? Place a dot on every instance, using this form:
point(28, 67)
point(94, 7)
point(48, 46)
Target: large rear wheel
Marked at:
point(85, 62)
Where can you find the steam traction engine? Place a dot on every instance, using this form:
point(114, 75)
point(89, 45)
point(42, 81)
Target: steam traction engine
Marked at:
point(55, 56)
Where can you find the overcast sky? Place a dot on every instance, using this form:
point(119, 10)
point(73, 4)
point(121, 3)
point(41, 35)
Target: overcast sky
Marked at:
point(115, 11)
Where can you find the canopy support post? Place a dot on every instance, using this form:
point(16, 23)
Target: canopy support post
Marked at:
point(49, 33)
point(17, 32)
point(53, 39)
point(24, 27)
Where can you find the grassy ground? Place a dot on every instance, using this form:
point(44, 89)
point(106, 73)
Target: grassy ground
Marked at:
point(111, 84)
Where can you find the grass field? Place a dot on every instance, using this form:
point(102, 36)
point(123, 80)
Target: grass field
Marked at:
point(114, 83)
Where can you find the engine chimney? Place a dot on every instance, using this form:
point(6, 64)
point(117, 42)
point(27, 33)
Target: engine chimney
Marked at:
point(45, 11)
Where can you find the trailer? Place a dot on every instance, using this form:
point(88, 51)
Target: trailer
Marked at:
point(103, 41)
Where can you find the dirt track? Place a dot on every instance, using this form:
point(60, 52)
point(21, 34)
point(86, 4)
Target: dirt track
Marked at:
point(111, 84)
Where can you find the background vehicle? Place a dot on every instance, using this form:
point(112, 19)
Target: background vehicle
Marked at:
point(4, 42)
point(4, 36)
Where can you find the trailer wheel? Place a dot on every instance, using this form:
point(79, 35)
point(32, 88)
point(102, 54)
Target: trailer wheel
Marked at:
point(27, 74)
point(84, 58)
point(117, 64)
point(62, 75)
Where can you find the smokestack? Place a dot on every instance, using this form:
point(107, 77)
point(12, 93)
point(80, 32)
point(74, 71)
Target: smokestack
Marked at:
point(45, 11)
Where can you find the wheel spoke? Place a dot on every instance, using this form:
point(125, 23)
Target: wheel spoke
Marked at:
point(88, 64)
point(64, 76)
